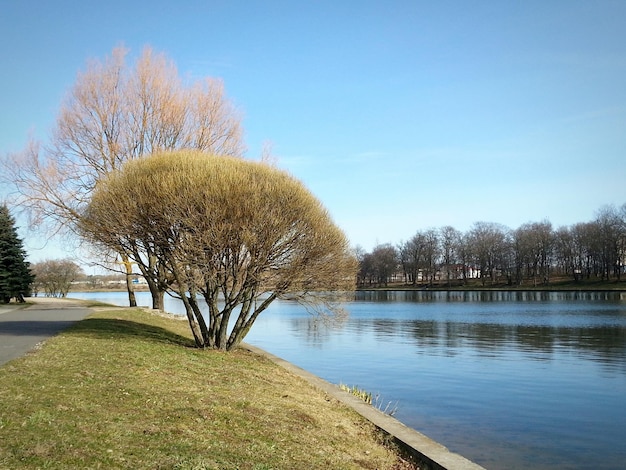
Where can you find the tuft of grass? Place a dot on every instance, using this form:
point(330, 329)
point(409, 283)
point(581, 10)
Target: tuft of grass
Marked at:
point(390, 408)
point(357, 392)
point(375, 400)
point(125, 388)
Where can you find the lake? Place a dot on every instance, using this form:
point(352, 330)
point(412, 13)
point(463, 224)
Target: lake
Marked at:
point(510, 380)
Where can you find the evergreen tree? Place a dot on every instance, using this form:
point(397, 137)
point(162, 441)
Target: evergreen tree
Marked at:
point(15, 275)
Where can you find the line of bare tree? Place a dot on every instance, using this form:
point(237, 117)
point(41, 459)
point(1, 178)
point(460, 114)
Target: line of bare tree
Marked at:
point(532, 254)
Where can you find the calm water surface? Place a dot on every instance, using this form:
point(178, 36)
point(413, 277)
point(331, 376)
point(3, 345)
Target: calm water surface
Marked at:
point(510, 380)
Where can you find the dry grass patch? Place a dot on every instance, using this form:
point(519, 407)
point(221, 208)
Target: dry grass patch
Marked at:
point(126, 389)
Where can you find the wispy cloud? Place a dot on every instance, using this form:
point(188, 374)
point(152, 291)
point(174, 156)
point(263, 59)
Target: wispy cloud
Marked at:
point(594, 114)
point(195, 69)
point(588, 61)
point(338, 158)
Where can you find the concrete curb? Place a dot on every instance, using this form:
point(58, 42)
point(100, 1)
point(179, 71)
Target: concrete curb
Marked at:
point(426, 451)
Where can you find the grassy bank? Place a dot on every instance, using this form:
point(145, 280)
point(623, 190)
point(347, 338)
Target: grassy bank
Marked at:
point(126, 389)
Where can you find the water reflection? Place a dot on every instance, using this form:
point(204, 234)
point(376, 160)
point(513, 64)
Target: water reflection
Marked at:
point(605, 343)
point(488, 296)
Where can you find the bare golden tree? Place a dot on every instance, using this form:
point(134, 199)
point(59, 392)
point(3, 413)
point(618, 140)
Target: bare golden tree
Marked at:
point(115, 113)
point(55, 276)
point(239, 233)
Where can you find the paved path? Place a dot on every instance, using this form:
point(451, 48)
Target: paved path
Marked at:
point(22, 328)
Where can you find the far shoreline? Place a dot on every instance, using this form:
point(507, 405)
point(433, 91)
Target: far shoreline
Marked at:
point(475, 285)
point(471, 285)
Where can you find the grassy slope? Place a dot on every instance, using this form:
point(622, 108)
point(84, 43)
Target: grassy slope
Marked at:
point(125, 389)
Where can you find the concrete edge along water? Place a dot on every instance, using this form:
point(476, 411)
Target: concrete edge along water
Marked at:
point(423, 449)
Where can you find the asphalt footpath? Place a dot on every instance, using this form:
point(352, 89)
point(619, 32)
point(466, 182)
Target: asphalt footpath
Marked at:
point(22, 328)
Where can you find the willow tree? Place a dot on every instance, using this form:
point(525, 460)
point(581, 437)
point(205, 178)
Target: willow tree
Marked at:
point(239, 233)
point(117, 112)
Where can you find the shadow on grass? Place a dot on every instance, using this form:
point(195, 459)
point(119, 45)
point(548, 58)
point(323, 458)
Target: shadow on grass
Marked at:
point(110, 327)
point(34, 327)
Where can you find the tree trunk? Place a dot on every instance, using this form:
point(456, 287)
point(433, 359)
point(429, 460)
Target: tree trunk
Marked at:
point(132, 301)
point(191, 318)
point(199, 318)
point(193, 324)
point(158, 296)
point(152, 279)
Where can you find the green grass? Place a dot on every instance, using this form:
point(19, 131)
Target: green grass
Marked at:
point(125, 388)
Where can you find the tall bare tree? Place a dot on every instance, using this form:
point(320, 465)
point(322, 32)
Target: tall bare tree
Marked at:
point(610, 227)
point(384, 260)
point(432, 253)
point(533, 248)
point(55, 276)
point(489, 244)
point(239, 233)
point(450, 248)
point(411, 254)
point(117, 112)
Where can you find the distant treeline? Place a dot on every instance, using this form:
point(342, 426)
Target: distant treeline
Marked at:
point(532, 254)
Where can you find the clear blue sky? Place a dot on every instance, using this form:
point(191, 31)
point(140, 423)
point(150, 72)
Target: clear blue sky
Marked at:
point(398, 115)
